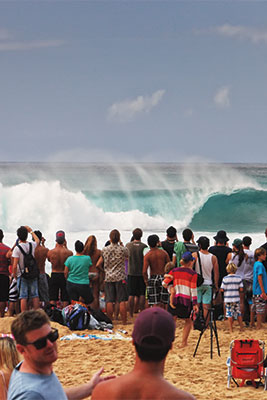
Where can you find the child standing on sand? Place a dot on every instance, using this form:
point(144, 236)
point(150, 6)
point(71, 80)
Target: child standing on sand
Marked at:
point(231, 286)
point(259, 287)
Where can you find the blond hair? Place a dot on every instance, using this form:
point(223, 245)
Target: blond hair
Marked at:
point(231, 268)
point(9, 356)
point(168, 267)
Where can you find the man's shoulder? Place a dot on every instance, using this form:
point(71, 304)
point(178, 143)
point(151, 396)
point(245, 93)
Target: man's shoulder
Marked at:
point(4, 247)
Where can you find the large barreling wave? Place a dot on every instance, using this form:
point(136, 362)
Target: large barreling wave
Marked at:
point(84, 197)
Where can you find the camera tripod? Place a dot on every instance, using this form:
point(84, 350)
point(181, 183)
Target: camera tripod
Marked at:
point(213, 331)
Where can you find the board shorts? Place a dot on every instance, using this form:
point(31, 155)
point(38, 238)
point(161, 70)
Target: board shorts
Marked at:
point(204, 294)
point(155, 291)
point(57, 283)
point(4, 287)
point(43, 288)
point(136, 286)
point(258, 304)
point(116, 292)
point(13, 295)
point(233, 309)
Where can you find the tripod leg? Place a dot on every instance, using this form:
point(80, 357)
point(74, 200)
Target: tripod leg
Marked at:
point(199, 338)
point(216, 337)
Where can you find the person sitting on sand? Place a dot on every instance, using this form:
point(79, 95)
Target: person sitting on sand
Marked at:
point(9, 358)
point(184, 280)
point(36, 341)
point(153, 335)
point(231, 287)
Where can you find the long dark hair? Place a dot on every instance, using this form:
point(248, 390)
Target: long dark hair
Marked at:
point(240, 253)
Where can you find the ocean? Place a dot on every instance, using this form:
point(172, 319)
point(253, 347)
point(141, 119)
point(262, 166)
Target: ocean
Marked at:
point(94, 198)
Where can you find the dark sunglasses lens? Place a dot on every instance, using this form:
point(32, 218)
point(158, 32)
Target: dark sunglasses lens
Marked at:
point(53, 336)
point(41, 343)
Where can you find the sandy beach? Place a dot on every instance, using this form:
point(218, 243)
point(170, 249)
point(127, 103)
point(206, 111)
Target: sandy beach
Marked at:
point(205, 378)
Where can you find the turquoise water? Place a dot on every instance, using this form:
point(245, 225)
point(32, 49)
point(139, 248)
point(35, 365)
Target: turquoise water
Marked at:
point(82, 197)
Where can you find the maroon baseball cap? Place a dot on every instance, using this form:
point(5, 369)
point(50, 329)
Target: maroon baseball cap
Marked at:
point(60, 237)
point(152, 323)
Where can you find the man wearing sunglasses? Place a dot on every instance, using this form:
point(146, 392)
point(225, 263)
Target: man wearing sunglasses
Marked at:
point(34, 379)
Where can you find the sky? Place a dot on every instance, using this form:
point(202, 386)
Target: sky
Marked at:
point(141, 81)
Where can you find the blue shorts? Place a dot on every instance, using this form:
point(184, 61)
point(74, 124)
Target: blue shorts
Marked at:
point(232, 310)
point(28, 288)
point(204, 293)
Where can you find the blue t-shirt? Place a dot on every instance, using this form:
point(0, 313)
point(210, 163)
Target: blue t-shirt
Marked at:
point(26, 386)
point(259, 269)
point(78, 269)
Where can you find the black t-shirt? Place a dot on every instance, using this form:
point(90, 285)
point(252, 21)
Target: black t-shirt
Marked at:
point(221, 253)
point(168, 246)
point(265, 262)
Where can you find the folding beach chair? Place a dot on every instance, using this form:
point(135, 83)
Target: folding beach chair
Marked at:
point(246, 362)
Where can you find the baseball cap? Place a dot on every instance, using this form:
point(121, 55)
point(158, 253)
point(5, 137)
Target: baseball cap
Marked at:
point(237, 242)
point(60, 237)
point(154, 322)
point(187, 256)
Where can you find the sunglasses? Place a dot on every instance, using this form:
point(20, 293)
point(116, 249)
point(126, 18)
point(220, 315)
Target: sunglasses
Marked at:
point(42, 342)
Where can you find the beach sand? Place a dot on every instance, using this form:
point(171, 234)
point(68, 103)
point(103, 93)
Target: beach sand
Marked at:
point(202, 376)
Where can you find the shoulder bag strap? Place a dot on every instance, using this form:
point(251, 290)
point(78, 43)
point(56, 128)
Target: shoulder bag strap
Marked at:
point(199, 261)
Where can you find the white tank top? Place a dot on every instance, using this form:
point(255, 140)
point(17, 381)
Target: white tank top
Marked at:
point(207, 267)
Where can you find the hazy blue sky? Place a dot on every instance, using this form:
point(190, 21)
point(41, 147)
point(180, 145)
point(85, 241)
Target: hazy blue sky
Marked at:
point(133, 80)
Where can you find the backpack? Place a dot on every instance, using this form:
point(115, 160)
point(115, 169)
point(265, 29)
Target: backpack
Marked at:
point(76, 317)
point(31, 270)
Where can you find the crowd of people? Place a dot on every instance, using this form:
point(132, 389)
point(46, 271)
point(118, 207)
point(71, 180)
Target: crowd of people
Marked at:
point(173, 277)
point(137, 275)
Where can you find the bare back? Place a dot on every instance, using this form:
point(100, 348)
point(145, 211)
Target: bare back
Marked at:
point(156, 259)
point(139, 386)
point(58, 256)
point(40, 255)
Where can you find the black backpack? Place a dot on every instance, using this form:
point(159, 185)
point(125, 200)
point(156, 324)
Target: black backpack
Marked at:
point(31, 270)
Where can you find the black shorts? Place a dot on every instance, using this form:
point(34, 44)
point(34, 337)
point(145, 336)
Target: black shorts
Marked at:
point(57, 283)
point(77, 290)
point(180, 311)
point(136, 286)
point(4, 287)
point(116, 292)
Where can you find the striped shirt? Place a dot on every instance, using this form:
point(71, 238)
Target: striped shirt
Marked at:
point(185, 285)
point(231, 284)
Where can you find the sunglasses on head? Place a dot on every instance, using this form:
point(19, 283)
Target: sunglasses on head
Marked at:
point(42, 342)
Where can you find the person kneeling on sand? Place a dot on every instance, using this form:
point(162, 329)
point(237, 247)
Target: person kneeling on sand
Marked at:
point(153, 334)
point(34, 378)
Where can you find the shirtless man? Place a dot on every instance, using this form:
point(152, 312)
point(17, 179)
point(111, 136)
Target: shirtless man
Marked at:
point(40, 257)
point(156, 259)
point(153, 334)
point(57, 257)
